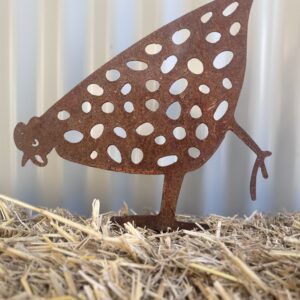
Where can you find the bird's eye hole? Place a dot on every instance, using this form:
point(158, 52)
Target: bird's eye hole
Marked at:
point(35, 143)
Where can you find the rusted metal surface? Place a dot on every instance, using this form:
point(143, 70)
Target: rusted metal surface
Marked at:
point(194, 69)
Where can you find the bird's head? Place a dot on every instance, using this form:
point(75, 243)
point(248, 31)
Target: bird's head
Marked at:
point(32, 139)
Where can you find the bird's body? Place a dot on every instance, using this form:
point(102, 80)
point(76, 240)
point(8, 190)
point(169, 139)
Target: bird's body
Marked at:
point(163, 106)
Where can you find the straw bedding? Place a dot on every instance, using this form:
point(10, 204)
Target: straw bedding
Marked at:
point(56, 255)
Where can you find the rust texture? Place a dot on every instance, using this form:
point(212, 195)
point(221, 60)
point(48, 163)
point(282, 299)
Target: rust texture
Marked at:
point(163, 106)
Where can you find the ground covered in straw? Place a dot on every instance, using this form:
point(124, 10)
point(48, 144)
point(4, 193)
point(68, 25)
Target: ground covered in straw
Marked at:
point(55, 255)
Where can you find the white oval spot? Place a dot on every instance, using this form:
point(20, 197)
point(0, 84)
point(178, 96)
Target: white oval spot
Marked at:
point(113, 75)
point(202, 132)
point(230, 9)
point(63, 115)
point(86, 107)
point(152, 105)
point(194, 152)
point(108, 107)
point(169, 64)
point(152, 85)
point(73, 136)
point(179, 133)
point(153, 49)
point(114, 153)
point(181, 36)
point(95, 90)
point(145, 129)
point(223, 59)
point(213, 37)
point(196, 112)
point(235, 28)
point(204, 89)
point(174, 111)
point(137, 65)
point(160, 140)
point(205, 18)
point(97, 131)
point(167, 161)
point(128, 107)
point(94, 155)
point(227, 83)
point(221, 111)
point(195, 65)
point(120, 132)
point(126, 89)
point(179, 86)
point(137, 156)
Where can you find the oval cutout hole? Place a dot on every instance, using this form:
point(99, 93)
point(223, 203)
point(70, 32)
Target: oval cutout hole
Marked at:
point(39, 159)
point(152, 105)
point(202, 132)
point(205, 18)
point(137, 65)
point(126, 89)
point(153, 49)
point(204, 89)
point(73, 136)
point(221, 110)
point(94, 155)
point(167, 161)
point(113, 75)
point(152, 85)
point(213, 37)
point(86, 107)
point(194, 152)
point(179, 86)
point(196, 112)
point(108, 107)
point(223, 59)
point(169, 64)
point(179, 133)
point(230, 9)
point(137, 156)
point(63, 115)
point(145, 129)
point(120, 132)
point(174, 111)
point(227, 83)
point(95, 90)
point(160, 140)
point(97, 131)
point(195, 66)
point(128, 107)
point(235, 28)
point(114, 153)
point(181, 36)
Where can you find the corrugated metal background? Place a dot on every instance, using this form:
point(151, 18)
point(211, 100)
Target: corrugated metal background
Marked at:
point(47, 47)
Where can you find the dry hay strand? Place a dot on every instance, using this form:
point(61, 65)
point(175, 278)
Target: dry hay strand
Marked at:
point(53, 254)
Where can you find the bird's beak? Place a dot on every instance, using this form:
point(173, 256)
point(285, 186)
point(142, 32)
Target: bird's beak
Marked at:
point(24, 160)
point(39, 160)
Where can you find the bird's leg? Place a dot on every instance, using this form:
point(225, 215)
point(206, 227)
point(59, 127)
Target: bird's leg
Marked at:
point(261, 156)
point(166, 219)
point(171, 190)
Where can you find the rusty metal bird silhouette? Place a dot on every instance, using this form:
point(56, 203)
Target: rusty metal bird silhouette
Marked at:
point(163, 106)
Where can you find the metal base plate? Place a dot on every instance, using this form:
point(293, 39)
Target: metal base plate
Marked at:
point(156, 223)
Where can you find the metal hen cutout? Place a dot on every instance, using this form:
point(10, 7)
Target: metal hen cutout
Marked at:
point(163, 106)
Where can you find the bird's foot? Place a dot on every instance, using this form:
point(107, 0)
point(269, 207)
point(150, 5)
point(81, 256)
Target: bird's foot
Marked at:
point(156, 222)
point(259, 164)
